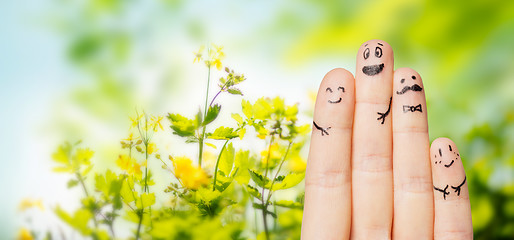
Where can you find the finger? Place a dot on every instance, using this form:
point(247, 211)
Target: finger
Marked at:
point(327, 208)
point(372, 177)
point(413, 197)
point(452, 219)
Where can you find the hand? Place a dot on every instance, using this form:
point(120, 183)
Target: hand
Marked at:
point(371, 172)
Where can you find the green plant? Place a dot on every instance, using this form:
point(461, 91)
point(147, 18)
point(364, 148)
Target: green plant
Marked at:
point(214, 201)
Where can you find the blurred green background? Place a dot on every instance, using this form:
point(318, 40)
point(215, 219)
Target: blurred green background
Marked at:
point(74, 69)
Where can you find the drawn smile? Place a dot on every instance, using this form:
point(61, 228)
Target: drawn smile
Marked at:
point(331, 91)
point(373, 69)
point(338, 101)
point(449, 164)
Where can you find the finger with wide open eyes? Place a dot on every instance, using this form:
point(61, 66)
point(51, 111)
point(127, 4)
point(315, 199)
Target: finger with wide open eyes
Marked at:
point(372, 175)
point(327, 210)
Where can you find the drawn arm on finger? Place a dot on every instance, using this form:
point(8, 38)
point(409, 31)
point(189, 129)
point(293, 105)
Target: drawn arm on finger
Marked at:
point(323, 130)
point(457, 189)
point(443, 191)
point(384, 115)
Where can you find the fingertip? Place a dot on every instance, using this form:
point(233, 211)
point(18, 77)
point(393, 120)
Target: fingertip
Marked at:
point(451, 196)
point(336, 98)
point(406, 76)
point(440, 143)
point(374, 72)
point(409, 104)
point(375, 42)
point(447, 167)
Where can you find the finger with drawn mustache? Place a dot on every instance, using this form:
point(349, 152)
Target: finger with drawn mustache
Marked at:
point(415, 88)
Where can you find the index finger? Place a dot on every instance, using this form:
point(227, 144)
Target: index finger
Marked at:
point(327, 208)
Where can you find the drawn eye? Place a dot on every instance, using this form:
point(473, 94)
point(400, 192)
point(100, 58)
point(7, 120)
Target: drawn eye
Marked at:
point(378, 52)
point(328, 90)
point(366, 53)
point(341, 88)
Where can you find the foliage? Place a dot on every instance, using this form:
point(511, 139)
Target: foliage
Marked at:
point(215, 201)
point(463, 50)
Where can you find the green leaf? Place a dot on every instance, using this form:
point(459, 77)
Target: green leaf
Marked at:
point(87, 170)
point(62, 154)
point(79, 220)
point(235, 91)
point(223, 133)
point(288, 181)
point(126, 193)
point(247, 108)
point(288, 204)
point(227, 160)
point(261, 207)
point(148, 199)
point(212, 114)
point(207, 195)
point(222, 185)
point(72, 183)
point(260, 180)
point(198, 119)
point(242, 161)
point(262, 108)
point(63, 169)
point(238, 118)
point(253, 191)
point(182, 126)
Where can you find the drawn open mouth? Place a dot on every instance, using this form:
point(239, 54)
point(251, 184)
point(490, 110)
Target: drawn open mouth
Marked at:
point(373, 69)
point(338, 101)
point(449, 164)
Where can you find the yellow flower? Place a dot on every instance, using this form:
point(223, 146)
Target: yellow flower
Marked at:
point(131, 137)
point(135, 169)
point(198, 55)
point(123, 162)
point(191, 177)
point(156, 122)
point(135, 120)
point(297, 164)
point(129, 165)
point(217, 63)
point(274, 156)
point(219, 51)
point(84, 154)
point(30, 203)
point(152, 148)
point(24, 234)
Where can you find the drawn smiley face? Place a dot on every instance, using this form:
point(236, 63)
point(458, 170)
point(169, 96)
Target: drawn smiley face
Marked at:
point(415, 87)
point(375, 69)
point(447, 163)
point(329, 90)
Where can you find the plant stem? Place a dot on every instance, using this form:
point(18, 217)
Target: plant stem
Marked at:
point(146, 168)
point(79, 177)
point(216, 167)
point(215, 96)
point(265, 206)
point(276, 174)
point(265, 221)
point(140, 214)
point(200, 151)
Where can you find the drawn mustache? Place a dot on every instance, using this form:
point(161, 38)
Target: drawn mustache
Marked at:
point(415, 88)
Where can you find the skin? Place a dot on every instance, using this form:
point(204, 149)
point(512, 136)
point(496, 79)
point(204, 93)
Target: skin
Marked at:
point(372, 164)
